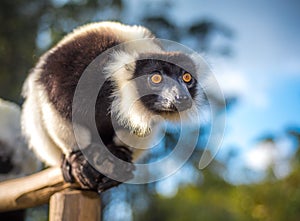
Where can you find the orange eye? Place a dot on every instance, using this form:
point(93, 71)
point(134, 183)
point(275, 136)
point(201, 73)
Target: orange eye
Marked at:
point(186, 77)
point(156, 78)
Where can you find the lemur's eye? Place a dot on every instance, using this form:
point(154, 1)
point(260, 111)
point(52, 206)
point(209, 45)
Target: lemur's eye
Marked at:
point(187, 77)
point(156, 78)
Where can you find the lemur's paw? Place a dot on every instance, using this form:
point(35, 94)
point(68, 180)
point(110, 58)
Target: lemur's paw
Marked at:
point(76, 167)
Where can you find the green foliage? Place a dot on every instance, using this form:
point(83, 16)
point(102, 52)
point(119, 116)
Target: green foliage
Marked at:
point(22, 22)
point(274, 201)
point(17, 42)
point(214, 199)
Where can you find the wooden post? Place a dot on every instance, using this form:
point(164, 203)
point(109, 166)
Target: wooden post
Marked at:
point(75, 205)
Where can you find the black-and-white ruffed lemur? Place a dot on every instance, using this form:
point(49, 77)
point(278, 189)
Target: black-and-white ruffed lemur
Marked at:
point(50, 87)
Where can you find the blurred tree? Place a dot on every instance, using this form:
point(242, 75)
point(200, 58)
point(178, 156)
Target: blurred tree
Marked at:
point(28, 28)
point(17, 40)
point(215, 199)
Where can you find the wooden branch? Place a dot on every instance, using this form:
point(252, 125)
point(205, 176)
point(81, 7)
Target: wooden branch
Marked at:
point(32, 190)
point(75, 205)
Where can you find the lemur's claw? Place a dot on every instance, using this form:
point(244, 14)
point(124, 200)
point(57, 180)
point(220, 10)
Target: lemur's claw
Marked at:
point(76, 167)
point(66, 170)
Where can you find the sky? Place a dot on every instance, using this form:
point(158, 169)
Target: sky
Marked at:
point(264, 72)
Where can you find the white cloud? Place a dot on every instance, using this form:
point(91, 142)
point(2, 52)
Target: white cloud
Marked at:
point(250, 88)
point(232, 82)
point(260, 157)
point(266, 155)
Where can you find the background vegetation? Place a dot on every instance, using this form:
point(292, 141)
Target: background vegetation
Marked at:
point(29, 28)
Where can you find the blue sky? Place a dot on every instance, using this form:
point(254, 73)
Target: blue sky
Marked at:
point(264, 71)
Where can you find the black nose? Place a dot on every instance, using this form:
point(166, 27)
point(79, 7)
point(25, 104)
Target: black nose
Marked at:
point(183, 102)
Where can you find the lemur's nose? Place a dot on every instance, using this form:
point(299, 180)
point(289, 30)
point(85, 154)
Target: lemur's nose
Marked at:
point(183, 102)
point(181, 98)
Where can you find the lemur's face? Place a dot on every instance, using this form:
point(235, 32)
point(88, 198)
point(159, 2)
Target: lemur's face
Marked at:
point(164, 87)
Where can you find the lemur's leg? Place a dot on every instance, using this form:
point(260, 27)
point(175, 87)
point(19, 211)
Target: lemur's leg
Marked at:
point(76, 167)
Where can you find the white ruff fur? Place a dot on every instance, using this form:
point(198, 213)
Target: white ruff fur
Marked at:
point(34, 129)
point(126, 106)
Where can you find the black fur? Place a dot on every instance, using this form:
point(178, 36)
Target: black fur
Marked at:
point(6, 164)
point(64, 66)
